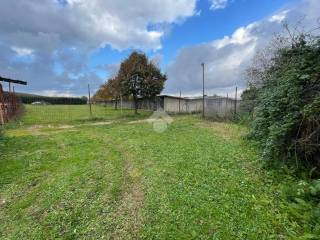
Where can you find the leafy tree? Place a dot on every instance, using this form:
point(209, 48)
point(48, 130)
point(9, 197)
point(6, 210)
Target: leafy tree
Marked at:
point(111, 90)
point(102, 93)
point(140, 78)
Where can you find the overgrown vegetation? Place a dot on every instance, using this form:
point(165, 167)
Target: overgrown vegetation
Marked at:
point(287, 117)
point(249, 100)
point(284, 105)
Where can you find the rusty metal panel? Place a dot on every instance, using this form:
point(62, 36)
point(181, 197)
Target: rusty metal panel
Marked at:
point(10, 106)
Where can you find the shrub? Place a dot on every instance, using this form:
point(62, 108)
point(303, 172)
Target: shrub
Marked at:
point(249, 100)
point(287, 115)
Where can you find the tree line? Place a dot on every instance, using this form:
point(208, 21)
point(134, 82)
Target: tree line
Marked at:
point(31, 98)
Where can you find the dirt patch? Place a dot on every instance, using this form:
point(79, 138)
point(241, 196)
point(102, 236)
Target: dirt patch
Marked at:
point(49, 126)
point(97, 123)
point(51, 129)
point(138, 121)
point(65, 126)
point(149, 120)
point(35, 127)
point(48, 129)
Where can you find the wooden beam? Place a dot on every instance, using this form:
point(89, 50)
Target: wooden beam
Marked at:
point(12, 81)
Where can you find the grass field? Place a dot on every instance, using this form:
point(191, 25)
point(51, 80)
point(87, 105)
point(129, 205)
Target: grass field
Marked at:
point(117, 178)
point(55, 114)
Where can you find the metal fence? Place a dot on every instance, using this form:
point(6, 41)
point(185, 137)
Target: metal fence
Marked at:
point(214, 108)
point(45, 109)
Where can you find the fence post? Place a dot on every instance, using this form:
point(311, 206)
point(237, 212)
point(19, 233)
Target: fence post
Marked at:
point(203, 90)
point(1, 106)
point(89, 100)
point(121, 102)
point(180, 102)
point(235, 102)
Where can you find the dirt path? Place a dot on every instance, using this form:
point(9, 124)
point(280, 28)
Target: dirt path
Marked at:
point(47, 129)
point(128, 216)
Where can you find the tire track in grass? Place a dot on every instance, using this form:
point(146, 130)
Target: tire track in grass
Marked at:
point(128, 216)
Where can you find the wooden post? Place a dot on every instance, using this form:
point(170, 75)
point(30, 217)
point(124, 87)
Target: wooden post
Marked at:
point(180, 101)
point(202, 89)
point(14, 102)
point(235, 102)
point(121, 102)
point(1, 106)
point(89, 100)
point(227, 110)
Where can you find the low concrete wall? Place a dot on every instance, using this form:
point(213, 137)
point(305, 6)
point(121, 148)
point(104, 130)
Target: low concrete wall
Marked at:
point(215, 107)
point(221, 108)
point(182, 105)
point(146, 104)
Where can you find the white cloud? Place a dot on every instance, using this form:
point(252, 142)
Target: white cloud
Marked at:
point(55, 93)
point(125, 23)
point(218, 4)
point(279, 17)
point(92, 24)
point(50, 31)
point(22, 52)
point(226, 58)
point(240, 36)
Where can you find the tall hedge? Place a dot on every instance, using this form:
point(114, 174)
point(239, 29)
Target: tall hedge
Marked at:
point(287, 117)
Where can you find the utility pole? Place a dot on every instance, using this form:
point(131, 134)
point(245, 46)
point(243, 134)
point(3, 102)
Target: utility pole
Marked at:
point(1, 110)
point(89, 100)
point(13, 99)
point(202, 64)
point(121, 102)
point(235, 102)
point(179, 102)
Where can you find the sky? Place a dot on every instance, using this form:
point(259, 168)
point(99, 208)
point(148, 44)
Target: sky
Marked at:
point(61, 46)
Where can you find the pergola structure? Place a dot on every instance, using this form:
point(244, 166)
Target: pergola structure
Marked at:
point(12, 81)
point(9, 103)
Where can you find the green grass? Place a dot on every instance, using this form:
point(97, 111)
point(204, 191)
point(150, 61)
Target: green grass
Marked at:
point(42, 114)
point(196, 180)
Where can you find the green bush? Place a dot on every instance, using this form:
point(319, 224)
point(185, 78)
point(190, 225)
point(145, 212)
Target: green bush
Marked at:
point(249, 100)
point(287, 115)
point(304, 206)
